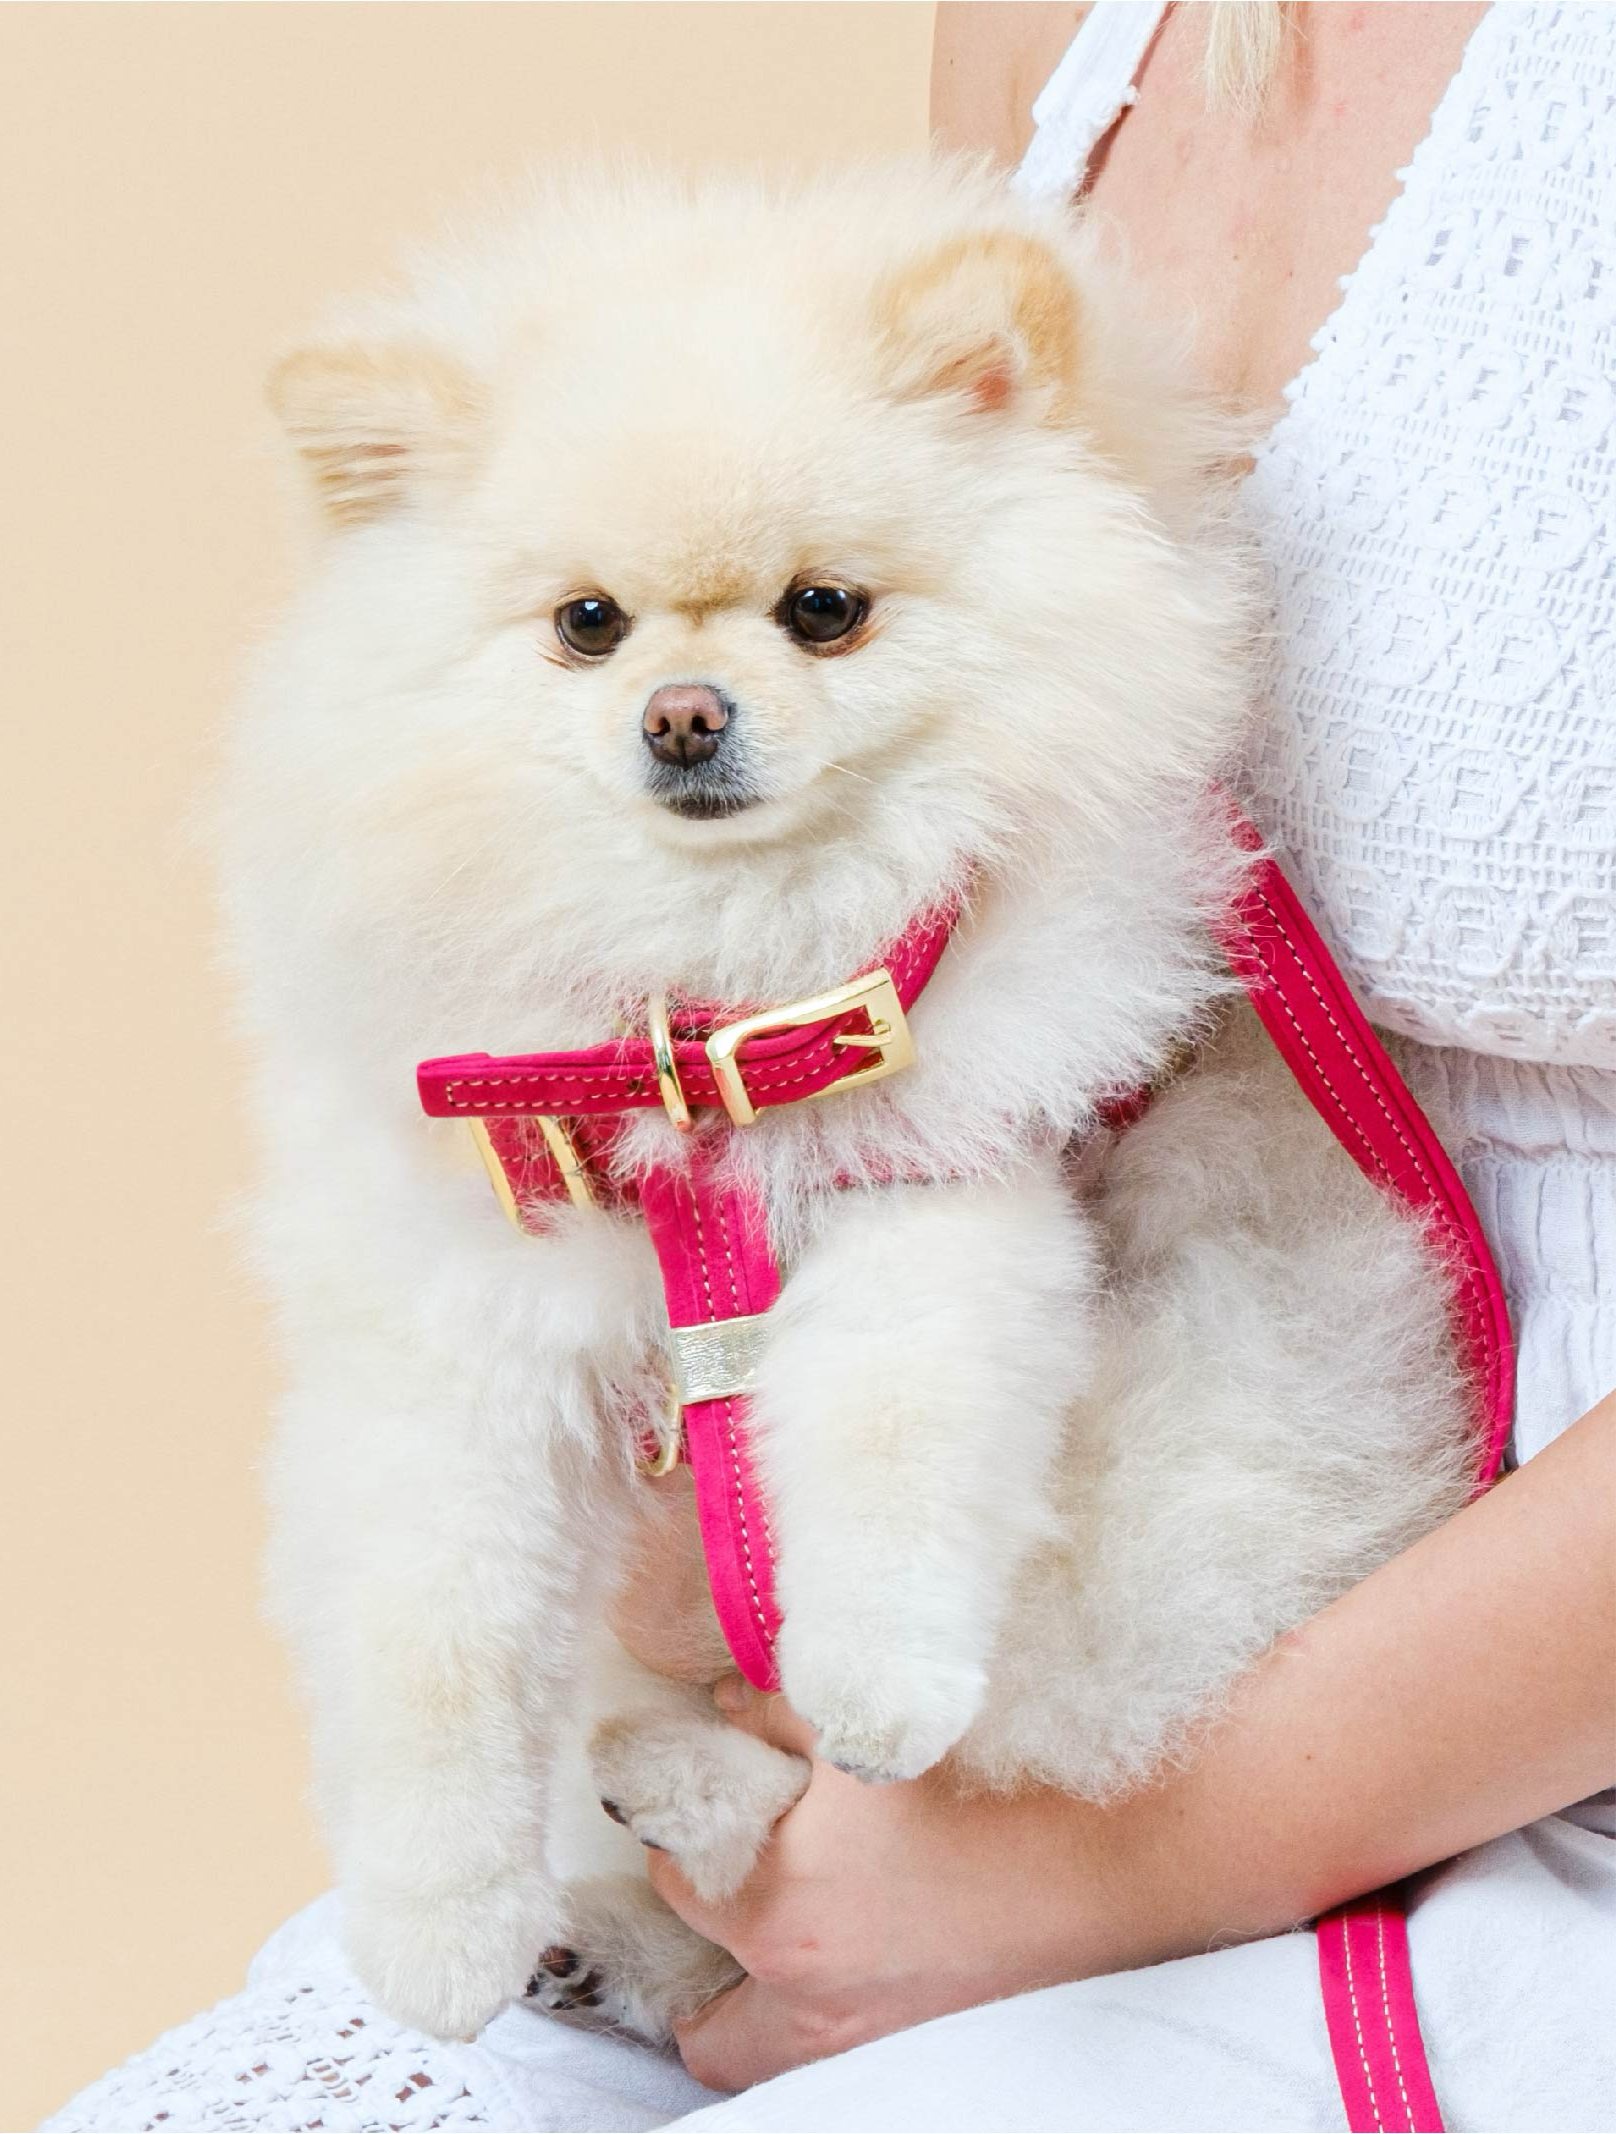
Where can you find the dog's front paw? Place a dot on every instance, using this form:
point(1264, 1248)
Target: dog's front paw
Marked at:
point(881, 1712)
point(700, 1791)
point(628, 1963)
point(447, 1961)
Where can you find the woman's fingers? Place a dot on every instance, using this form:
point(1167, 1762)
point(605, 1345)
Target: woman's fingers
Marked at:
point(728, 1923)
point(724, 1923)
point(717, 2043)
point(752, 2032)
point(746, 1924)
point(767, 1716)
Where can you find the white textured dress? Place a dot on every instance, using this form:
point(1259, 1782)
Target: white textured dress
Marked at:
point(1437, 764)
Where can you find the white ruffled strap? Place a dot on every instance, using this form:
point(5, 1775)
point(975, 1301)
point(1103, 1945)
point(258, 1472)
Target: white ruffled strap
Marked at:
point(1080, 101)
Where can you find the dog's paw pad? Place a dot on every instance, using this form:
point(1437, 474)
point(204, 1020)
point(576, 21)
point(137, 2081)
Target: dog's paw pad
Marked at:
point(565, 1982)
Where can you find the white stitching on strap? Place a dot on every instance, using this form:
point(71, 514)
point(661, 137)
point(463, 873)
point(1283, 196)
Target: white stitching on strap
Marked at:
point(729, 1421)
point(1439, 1205)
point(735, 1299)
point(1357, 2022)
point(1386, 2006)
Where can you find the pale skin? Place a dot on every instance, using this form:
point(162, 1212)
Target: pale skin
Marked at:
point(1464, 1689)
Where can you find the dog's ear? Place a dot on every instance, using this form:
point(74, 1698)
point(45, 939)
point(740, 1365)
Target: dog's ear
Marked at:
point(994, 316)
point(374, 423)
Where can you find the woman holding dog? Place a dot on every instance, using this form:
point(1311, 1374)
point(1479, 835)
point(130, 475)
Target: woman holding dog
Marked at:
point(1436, 762)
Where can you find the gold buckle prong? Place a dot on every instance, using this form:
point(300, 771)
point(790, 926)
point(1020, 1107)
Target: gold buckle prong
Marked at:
point(889, 1043)
point(667, 1067)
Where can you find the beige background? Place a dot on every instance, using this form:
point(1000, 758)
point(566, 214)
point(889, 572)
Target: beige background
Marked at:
point(179, 188)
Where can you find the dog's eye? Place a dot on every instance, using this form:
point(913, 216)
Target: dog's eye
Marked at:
point(820, 614)
point(593, 627)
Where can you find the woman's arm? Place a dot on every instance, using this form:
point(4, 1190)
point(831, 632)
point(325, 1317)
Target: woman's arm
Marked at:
point(1464, 1689)
point(989, 59)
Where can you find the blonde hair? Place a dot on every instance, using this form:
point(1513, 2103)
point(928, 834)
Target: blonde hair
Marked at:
point(1245, 40)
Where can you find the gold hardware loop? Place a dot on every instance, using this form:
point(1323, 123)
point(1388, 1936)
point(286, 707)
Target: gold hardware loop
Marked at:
point(567, 1161)
point(667, 1067)
point(671, 1448)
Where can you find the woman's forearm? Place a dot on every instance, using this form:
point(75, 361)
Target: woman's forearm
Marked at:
point(1464, 1689)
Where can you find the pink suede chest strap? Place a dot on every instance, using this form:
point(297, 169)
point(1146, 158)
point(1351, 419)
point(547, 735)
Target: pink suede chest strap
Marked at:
point(712, 1243)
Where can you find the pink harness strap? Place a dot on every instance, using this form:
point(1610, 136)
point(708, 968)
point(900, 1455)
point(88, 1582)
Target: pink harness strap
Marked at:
point(712, 1242)
point(1368, 1988)
point(718, 1266)
point(1304, 1003)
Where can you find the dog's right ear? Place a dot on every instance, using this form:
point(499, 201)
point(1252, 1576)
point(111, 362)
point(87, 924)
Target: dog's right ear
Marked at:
point(374, 424)
point(992, 317)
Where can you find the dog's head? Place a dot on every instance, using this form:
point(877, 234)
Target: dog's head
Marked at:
point(675, 533)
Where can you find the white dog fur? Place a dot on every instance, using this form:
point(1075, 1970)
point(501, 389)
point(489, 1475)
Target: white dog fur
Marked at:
point(1054, 1445)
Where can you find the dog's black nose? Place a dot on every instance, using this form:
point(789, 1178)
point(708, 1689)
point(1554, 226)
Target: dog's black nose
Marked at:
point(684, 722)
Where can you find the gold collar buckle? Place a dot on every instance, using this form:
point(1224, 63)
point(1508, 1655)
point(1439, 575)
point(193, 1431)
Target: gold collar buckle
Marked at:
point(887, 1044)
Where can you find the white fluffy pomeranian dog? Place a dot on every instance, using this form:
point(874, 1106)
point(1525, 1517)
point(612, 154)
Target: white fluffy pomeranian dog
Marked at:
point(1056, 1437)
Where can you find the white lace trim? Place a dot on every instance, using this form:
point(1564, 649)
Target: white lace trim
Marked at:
point(301, 2048)
point(304, 2049)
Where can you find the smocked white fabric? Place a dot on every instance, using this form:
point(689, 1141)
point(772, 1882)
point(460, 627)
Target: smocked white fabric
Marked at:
point(1438, 765)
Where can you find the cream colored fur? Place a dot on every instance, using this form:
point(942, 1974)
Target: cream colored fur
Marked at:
point(1052, 1452)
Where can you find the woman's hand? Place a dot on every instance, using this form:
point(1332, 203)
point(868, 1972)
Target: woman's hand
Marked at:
point(1464, 1689)
point(874, 1908)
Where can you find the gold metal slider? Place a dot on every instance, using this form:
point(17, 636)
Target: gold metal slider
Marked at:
point(568, 1162)
point(715, 1360)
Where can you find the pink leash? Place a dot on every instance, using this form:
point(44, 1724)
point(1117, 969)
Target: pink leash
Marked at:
point(547, 1125)
point(1307, 1009)
point(1368, 1987)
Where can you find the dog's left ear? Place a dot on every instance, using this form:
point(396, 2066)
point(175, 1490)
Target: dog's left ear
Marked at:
point(375, 425)
point(993, 316)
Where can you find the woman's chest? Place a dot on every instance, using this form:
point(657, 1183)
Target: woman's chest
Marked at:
point(1248, 229)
